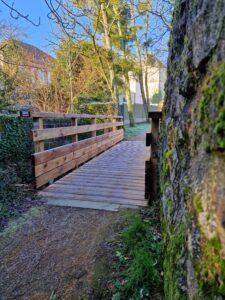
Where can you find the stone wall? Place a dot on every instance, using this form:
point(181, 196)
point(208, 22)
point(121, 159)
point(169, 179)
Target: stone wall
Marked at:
point(192, 158)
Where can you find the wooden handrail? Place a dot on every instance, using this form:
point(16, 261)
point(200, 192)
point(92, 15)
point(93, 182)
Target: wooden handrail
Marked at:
point(49, 115)
point(50, 133)
point(53, 163)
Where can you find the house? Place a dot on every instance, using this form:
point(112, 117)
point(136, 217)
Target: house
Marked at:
point(28, 57)
point(154, 73)
point(28, 66)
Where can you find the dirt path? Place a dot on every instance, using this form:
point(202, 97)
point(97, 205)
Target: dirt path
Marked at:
point(54, 253)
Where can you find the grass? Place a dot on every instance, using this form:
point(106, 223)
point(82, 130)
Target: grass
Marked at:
point(15, 226)
point(139, 258)
point(130, 132)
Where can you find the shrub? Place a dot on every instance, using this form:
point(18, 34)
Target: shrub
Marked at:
point(16, 145)
point(101, 108)
point(15, 164)
point(11, 195)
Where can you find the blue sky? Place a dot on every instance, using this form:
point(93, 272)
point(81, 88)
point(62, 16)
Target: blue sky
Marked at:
point(37, 36)
point(40, 36)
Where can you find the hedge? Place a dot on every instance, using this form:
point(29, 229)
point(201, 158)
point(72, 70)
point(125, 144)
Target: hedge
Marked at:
point(16, 145)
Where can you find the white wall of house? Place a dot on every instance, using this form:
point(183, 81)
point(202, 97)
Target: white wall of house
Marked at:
point(156, 82)
point(134, 89)
point(162, 79)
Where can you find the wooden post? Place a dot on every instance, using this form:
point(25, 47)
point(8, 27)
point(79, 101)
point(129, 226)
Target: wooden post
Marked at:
point(114, 120)
point(74, 122)
point(105, 121)
point(38, 124)
point(93, 122)
point(151, 166)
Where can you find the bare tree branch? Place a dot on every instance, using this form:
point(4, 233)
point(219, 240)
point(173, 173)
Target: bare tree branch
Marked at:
point(18, 14)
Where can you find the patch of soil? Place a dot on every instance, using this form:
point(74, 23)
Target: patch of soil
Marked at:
point(55, 255)
point(15, 211)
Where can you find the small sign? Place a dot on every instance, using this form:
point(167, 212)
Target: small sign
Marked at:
point(25, 114)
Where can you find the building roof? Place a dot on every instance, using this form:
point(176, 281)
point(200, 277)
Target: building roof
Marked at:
point(33, 55)
point(37, 55)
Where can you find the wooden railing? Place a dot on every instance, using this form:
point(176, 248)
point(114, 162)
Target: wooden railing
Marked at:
point(53, 163)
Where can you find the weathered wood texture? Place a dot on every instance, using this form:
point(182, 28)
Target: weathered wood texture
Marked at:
point(53, 163)
point(112, 180)
point(50, 133)
point(48, 115)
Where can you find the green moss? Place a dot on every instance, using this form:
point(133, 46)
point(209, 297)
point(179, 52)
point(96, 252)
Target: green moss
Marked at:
point(211, 112)
point(197, 204)
point(193, 4)
point(169, 203)
point(209, 265)
point(166, 162)
point(210, 270)
point(15, 226)
point(177, 7)
point(173, 265)
point(220, 129)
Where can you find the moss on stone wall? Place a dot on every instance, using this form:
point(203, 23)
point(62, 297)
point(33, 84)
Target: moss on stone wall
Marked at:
point(197, 204)
point(209, 264)
point(211, 112)
point(210, 269)
point(173, 265)
point(191, 180)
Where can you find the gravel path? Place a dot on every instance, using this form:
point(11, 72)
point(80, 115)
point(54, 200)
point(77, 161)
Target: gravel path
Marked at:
point(54, 253)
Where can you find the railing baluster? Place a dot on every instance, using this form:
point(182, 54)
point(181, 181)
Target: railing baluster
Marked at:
point(114, 120)
point(74, 122)
point(93, 122)
point(38, 124)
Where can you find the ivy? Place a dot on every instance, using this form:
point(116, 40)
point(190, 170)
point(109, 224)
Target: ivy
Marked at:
point(15, 164)
point(15, 143)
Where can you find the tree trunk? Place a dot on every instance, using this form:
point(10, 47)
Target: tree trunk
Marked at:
point(141, 71)
point(126, 76)
point(145, 104)
point(146, 64)
point(113, 87)
point(146, 85)
point(129, 101)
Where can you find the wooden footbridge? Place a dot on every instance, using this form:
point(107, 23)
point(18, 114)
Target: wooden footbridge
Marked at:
point(85, 163)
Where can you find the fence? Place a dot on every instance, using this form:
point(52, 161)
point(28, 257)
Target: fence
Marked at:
point(49, 164)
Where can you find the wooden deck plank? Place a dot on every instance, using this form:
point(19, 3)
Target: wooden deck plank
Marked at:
point(82, 185)
point(94, 198)
point(98, 192)
point(112, 180)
